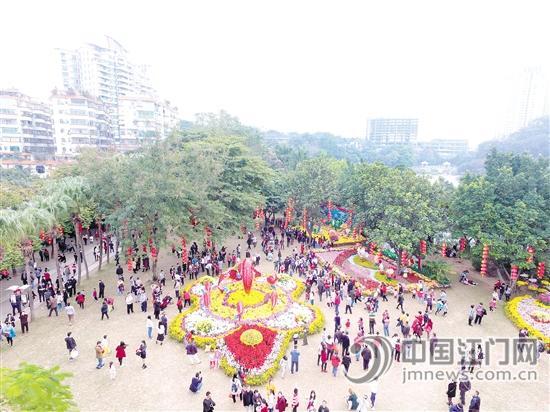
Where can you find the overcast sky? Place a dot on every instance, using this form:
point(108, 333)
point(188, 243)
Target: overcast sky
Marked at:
point(303, 65)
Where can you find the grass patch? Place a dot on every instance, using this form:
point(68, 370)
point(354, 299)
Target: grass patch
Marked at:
point(358, 260)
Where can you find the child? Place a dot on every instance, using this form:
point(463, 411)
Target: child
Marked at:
point(94, 294)
point(112, 370)
point(492, 304)
point(348, 324)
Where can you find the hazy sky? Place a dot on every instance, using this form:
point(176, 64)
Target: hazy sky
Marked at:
point(303, 65)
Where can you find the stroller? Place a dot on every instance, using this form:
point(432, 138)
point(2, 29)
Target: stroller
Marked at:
point(165, 302)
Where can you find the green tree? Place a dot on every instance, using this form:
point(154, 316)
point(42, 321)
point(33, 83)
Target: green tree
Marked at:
point(34, 388)
point(508, 208)
point(396, 206)
point(315, 181)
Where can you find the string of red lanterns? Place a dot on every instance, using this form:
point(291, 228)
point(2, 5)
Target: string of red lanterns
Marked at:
point(462, 244)
point(541, 269)
point(484, 259)
point(531, 254)
point(423, 247)
point(514, 273)
point(444, 249)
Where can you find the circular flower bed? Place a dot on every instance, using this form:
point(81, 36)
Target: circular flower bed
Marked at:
point(251, 337)
point(252, 330)
point(527, 313)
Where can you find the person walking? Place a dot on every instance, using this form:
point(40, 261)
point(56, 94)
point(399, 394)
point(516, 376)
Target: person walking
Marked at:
point(120, 352)
point(335, 361)
point(480, 312)
point(160, 333)
point(71, 345)
point(295, 400)
point(191, 350)
point(149, 327)
point(451, 392)
point(69, 309)
point(208, 404)
point(471, 315)
point(112, 370)
point(235, 388)
point(99, 353)
point(9, 332)
point(475, 403)
point(24, 320)
point(129, 303)
point(373, 385)
point(310, 407)
point(104, 309)
point(142, 353)
point(463, 387)
point(294, 360)
point(101, 287)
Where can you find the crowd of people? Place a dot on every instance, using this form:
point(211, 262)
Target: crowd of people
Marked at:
point(342, 345)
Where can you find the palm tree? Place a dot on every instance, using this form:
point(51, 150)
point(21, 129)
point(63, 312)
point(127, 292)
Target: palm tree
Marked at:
point(18, 225)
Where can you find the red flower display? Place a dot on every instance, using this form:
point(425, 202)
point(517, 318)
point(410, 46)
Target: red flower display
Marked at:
point(251, 356)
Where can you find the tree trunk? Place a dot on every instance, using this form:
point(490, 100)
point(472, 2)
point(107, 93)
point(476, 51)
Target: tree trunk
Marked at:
point(108, 240)
point(55, 254)
point(100, 237)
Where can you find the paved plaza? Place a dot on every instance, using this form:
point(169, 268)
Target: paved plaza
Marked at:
point(164, 384)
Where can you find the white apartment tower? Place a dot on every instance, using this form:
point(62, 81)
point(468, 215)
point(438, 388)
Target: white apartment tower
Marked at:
point(25, 126)
point(104, 71)
point(80, 121)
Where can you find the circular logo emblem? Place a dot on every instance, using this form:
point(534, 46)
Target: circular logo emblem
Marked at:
point(375, 356)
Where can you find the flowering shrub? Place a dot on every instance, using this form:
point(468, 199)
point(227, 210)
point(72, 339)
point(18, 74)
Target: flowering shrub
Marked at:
point(343, 256)
point(544, 298)
point(248, 355)
point(519, 310)
point(258, 338)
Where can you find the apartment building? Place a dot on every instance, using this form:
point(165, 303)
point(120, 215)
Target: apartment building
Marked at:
point(25, 126)
point(392, 131)
point(143, 120)
point(80, 121)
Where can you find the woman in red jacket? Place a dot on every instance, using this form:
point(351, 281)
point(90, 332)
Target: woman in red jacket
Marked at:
point(120, 352)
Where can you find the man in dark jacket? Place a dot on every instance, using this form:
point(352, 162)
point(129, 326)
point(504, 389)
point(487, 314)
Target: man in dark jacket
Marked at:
point(475, 403)
point(248, 397)
point(451, 392)
point(196, 383)
point(366, 355)
point(101, 290)
point(71, 343)
point(208, 404)
point(464, 386)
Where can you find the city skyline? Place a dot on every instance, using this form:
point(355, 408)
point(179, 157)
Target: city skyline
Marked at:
point(307, 71)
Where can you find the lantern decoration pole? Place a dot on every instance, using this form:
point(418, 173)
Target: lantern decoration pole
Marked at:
point(541, 269)
point(514, 273)
point(403, 258)
point(484, 259)
point(444, 249)
point(531, 254)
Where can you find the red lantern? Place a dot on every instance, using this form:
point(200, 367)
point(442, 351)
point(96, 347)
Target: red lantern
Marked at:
point(144, 248)
point(154, 252)
point(150, 242)
point(423, 247)
point(531, 251)
point(484, 258)
point(404, 258)
point(372, 248)
point(130, 265)
point(129, 251)
point(462, 244)
point(541, 269)
point(444, 249)
point(42, 235)
point(514, 273)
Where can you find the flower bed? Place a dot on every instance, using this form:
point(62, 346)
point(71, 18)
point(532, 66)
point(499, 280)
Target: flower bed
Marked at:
point(527, 313)
point(358, 260)
point(251, 330)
